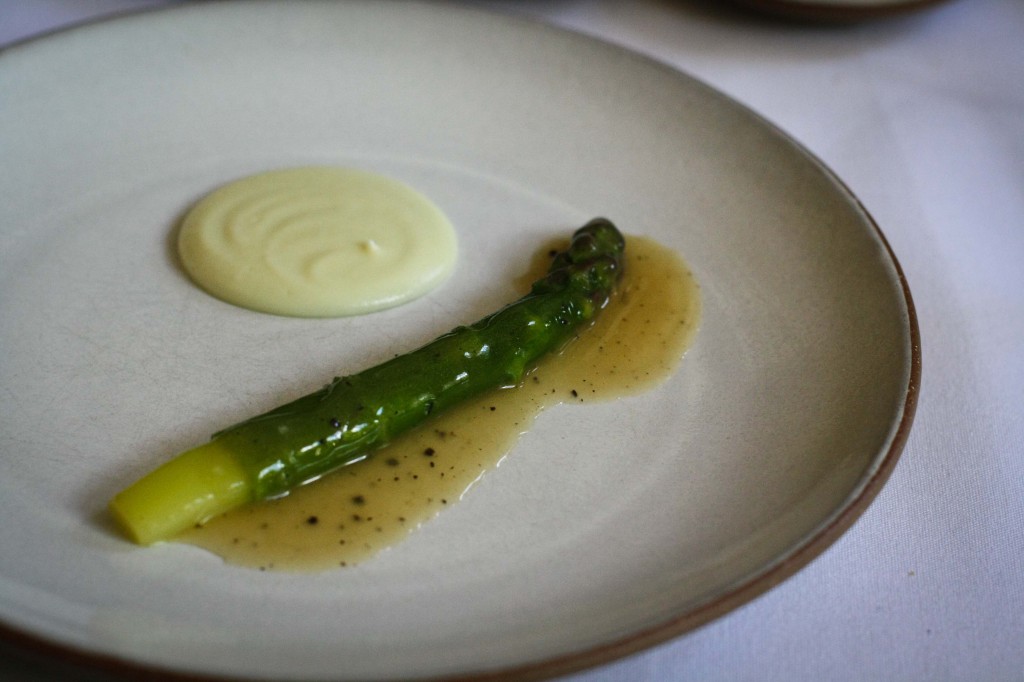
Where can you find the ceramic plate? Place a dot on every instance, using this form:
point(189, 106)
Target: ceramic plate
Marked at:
point(609, 527)
point(838, 10)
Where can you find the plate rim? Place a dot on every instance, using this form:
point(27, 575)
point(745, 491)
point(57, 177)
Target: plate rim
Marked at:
point(841, 12)
point(45, 649)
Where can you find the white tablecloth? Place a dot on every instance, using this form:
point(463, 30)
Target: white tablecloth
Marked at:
point(923, 117)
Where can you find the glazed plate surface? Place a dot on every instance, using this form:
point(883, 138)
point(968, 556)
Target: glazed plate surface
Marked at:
point(609, 527)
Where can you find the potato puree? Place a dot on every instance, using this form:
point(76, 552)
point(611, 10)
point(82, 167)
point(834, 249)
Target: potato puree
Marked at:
point(317, 242)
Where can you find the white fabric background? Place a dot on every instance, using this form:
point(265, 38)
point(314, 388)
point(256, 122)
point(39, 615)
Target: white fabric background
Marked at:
point(923, 117)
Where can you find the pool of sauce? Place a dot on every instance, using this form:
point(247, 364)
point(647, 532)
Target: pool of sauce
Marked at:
point(350, 515)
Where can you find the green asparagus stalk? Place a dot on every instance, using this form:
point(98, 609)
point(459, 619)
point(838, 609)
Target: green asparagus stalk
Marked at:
point(348, 419)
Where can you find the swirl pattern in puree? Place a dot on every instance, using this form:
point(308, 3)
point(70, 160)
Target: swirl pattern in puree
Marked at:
point(317, 242)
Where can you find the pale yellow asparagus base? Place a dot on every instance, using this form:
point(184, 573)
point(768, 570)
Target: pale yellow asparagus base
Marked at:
point(191, 488)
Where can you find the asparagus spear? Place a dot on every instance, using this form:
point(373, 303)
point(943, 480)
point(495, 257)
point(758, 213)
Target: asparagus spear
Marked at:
point(270, 454)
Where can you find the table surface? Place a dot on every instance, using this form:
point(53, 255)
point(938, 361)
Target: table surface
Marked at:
point(922, 115)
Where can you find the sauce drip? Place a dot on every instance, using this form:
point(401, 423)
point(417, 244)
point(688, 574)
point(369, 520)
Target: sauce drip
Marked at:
point(351, 514)
point(317, 242)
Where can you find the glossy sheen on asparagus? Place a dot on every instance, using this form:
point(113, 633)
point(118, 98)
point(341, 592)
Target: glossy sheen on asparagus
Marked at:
point(344, 422)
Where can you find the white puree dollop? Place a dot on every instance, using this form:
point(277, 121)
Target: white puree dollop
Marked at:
point(317, 242)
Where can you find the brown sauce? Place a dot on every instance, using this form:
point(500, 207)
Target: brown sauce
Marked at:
point(350, 515)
